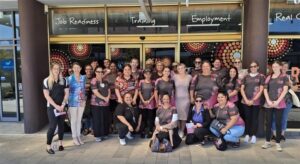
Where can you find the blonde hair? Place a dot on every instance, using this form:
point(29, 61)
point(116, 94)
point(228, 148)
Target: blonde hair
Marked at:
point(51, 77)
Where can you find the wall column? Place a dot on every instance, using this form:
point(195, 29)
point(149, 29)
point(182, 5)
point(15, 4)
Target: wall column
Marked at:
point(34, 59)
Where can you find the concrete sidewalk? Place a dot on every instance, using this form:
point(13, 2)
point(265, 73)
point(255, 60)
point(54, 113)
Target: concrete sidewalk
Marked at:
point(21, 148)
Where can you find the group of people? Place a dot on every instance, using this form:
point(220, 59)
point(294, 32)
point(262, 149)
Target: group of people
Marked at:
point(167, 101)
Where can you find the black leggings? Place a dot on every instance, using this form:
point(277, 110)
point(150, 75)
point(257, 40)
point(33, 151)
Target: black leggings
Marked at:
point(197, 136)
point(123, 129)
point(251, 119)
point(269, 119)
point(101, 120)
point(148, 118)
point(53, 122)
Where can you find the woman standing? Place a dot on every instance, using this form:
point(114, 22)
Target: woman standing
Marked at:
point(111, 79)
point(251, 91)
point(205, 85)
point(166, 122)
point(232, 85)
point(128, 119)
point(228, 114)
point(55, 90)
point(164, 85)
point(147, 104)
point(158, 73)
point(76, 101)
point(288, 100)
point(126, 84)
point(275, 89)
point(182, 82)
point(100, 105)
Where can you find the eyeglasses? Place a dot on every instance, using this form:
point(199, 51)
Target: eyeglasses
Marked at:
point(99, 71)
point(197, 62)
point(253, 66)
point(198, 101)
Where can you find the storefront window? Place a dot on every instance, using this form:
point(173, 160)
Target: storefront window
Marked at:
point(6, 25)
point(285, 50)
point(8, 89)
point(284, 19)
point(77, 21)
point(133, 21)
point(211, 18)
point(226, 51)
point(66, 54)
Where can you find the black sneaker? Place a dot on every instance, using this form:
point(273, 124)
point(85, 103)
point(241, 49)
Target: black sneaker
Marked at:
point(282, 138)
point(149, 135)
point(85, 132)
point(235, 144)
point(273, 138)
point(50, 151)
point(143, 135)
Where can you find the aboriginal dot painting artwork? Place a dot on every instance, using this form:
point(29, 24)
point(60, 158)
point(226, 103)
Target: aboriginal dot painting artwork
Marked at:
point(278, 49)
point(66, 54)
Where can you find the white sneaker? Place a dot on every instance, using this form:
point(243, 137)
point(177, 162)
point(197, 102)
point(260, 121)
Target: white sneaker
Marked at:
point(266, 145)
point(253, 139)
point(181, 134)
point(98, 139)
point(129, 136)
point(122, 142)
point(278, 147)
point(246, 139)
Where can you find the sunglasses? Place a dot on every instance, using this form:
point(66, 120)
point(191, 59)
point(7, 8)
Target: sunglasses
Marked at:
point(99, 71)
point(198, 101)
point(197, 62)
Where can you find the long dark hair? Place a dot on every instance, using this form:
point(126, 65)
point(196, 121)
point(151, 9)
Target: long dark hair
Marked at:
point(227, 78)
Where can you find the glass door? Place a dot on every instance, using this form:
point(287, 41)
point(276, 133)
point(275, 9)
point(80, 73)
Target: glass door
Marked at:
point(122, 54)
point(160, 52)
point(8, 89)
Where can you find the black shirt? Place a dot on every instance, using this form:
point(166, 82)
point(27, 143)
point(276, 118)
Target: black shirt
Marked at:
point(57, 92)
point(131, 114)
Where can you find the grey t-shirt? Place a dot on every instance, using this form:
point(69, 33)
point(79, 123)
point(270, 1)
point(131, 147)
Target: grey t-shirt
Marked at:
point(146, 89)
point(163, 86)
point(252, 85)
point(204, 85)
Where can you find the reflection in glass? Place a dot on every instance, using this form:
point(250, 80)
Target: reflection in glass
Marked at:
point(133, 21)
point(6, 24)
point(122, 56)
point(17, 25)
point(160, 53)
point(8, 96)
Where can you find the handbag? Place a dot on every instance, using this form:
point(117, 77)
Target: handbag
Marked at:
point(190, 128)
point(295, 98)
point(160, 147)
point(154, 145)
point(216, 124)
point(220, 144)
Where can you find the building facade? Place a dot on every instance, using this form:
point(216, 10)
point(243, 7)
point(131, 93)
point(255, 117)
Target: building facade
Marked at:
point(61, 32)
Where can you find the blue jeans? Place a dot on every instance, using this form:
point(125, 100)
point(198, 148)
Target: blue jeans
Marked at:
point(286, 111)
point(232, 135)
